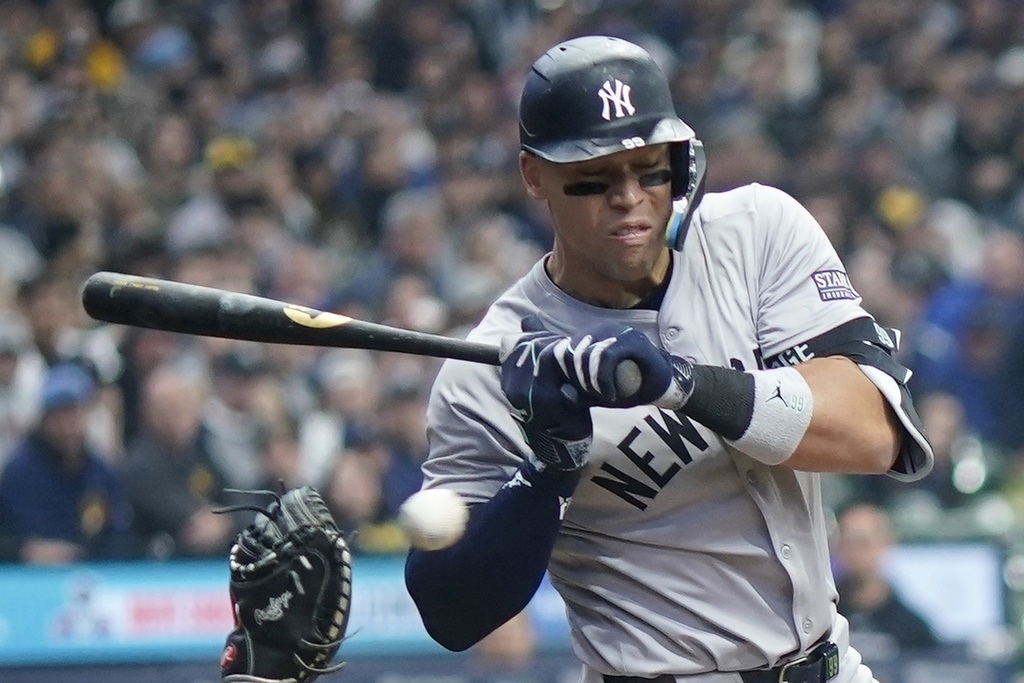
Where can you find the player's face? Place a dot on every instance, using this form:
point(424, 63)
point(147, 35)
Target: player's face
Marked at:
point(609, 217)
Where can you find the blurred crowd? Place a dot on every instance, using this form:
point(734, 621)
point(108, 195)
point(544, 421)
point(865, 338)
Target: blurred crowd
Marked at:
point(360, 156)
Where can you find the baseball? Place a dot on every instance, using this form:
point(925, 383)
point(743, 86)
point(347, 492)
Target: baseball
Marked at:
point(433, 519)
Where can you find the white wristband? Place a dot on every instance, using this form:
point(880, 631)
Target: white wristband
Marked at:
point(783, 406)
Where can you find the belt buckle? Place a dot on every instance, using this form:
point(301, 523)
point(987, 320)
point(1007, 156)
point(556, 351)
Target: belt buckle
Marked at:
point(784, 669)
point(827, 651)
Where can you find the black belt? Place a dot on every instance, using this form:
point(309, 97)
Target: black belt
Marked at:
point(820, 665)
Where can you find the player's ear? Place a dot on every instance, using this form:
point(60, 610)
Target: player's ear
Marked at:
point(530, 169)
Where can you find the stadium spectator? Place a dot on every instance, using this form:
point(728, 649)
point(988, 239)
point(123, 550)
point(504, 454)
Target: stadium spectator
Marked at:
point(349, 395)
point(233, 432)
point(59, 499)
point(172, 485)
point(354, 493)
point(1009, 400)
point(965, 331)
point(880, 622)
point(205, 218)
point(404, 435)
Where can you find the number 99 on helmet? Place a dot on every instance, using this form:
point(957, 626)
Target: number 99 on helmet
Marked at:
point(597, 95)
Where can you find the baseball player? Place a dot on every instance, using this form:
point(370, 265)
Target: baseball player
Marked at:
point(677, 510)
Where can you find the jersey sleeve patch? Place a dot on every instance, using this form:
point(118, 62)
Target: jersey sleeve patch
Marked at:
point(833, 285)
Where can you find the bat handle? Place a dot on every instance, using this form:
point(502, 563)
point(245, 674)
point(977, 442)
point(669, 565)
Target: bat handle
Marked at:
point(628, 378)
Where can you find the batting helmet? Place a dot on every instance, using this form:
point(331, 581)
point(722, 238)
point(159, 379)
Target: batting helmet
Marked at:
point(597, 95)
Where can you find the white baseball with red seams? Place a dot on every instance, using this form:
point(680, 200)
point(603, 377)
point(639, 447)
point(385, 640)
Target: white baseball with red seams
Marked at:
point(433, 519)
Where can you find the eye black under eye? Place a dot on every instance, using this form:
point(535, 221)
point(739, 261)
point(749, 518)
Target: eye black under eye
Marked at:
point(583, 188)
point(655, 178)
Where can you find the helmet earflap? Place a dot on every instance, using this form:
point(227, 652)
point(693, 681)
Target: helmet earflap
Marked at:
point(689, 168)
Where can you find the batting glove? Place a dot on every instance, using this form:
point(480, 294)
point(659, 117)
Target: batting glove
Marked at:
point(553, 416)
point(591, 362)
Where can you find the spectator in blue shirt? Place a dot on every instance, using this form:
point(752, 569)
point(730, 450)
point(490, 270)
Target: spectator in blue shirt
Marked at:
point(59, 499)
point(966, 330)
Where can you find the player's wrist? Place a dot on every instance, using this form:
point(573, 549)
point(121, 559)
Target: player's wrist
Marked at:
point(721, 399)
point(763, 413)
point(681, 384)
point(546, 480)
point(557, 452)
point(783, 407)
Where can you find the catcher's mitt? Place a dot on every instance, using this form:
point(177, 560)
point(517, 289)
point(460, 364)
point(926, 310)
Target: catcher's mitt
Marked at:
point(291, 583)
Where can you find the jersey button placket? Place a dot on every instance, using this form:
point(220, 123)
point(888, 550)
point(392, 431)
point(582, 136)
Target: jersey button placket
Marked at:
point(807, 625)
point(786, 551)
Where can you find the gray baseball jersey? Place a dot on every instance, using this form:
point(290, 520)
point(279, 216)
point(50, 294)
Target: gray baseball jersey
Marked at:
point(677, 553)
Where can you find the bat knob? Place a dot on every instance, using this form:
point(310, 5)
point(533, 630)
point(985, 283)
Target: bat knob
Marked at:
point(627, 378)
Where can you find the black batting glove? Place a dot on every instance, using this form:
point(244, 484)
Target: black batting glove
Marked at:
point(591, 362)
point(553, 415)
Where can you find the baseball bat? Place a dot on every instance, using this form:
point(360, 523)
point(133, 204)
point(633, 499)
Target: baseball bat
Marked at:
point(209, 312)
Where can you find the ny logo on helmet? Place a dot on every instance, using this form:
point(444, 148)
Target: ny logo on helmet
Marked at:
point(618, 95)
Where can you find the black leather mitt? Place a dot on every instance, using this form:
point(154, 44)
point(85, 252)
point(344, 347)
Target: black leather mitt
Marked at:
point(291, 586)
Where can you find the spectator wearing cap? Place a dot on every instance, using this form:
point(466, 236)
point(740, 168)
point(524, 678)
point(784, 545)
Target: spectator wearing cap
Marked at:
point(55, 45)
point(59, 499)
point(206, 219)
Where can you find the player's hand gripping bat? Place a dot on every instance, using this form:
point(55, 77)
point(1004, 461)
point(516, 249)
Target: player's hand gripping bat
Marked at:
point(209, 312)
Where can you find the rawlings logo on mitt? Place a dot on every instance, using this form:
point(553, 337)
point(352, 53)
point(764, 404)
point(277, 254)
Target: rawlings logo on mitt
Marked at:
point(291, 586)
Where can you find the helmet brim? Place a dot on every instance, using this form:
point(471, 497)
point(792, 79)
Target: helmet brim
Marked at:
point(571, 151)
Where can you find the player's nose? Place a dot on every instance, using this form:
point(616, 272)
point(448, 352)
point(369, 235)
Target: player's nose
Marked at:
point(625, 192)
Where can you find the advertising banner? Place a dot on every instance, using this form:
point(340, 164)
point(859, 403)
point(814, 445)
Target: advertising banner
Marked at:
point(180, 611)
